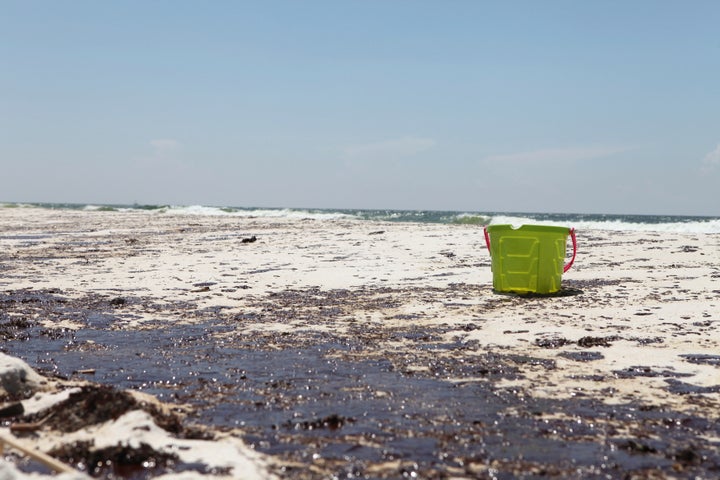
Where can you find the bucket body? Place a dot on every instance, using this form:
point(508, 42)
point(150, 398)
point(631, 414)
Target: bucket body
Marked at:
point(528, 259)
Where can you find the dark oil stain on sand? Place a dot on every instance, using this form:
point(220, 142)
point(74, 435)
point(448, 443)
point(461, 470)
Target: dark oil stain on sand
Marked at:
point(326, 405)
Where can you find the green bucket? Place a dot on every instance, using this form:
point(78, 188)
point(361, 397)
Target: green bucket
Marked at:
point(528, 259)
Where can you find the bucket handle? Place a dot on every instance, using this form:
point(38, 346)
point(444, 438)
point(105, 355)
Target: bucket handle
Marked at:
point(572, 236)
point(574, 242)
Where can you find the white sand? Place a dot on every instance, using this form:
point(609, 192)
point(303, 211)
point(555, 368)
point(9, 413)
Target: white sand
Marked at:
point(655, 295)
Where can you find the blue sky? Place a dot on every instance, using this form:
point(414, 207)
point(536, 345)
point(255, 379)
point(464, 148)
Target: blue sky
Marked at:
point(534, 106)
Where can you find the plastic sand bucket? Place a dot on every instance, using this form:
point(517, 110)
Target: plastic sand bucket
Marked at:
point(528, 259)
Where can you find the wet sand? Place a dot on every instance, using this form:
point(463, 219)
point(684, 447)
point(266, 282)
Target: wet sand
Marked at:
point(314, 349)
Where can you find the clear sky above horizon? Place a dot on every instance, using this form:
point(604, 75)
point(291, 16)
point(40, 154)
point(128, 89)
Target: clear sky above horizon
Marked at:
point(526, 106)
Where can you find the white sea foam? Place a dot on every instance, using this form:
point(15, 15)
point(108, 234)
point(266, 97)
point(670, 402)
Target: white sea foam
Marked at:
point(93, 208)
point(259, 212)
point(16, 205)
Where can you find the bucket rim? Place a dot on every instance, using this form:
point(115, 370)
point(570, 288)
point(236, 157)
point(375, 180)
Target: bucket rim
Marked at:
point(530, 227)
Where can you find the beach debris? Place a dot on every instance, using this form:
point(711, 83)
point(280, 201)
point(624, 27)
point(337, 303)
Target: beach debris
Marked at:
point(117, 461)
point(203, 286)
point(252, 239)
point(17, 379)
point(682, 388)
point(41, 457)
point(95, 404)
point(331, 422)
point(552, 342)
point(649, 372)
point(378, 232)
point(583, 356)
point(647, 340)
point(118, 302)
point(589, 342)
point(585, 342)
point(635, 446)
point(134, 446)
point(13, 329)
point(702, 359)
point(12, 410)
point(25, 427)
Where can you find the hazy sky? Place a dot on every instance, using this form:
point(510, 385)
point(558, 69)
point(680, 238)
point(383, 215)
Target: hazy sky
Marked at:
point(532, 106)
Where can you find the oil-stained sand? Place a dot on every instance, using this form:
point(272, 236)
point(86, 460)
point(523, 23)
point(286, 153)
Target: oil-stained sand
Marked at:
point(369, 400)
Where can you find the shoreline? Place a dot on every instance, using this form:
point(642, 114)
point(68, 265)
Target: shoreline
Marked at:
point(398, 302)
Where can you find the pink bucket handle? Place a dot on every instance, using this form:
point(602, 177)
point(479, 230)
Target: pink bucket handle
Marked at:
point(572, 236)
point(574, 242)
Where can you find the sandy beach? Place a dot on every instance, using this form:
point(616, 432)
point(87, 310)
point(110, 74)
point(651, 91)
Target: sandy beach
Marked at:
point(246, 347)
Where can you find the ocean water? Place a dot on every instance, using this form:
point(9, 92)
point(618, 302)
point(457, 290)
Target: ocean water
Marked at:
point(656, 223)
